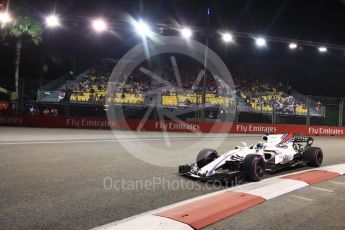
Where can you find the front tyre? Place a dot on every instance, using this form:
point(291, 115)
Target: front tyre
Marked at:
point(205, 157)
point(254, 167)
point(313, 156)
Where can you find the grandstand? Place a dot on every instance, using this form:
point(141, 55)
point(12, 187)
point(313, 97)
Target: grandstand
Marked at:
point(89, 88)
point(174, 99)
point(265, 98)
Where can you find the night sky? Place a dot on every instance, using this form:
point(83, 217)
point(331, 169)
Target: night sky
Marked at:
point(320, 21)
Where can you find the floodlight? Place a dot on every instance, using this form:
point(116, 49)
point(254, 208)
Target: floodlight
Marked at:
point(5, 18)
point(142, 28)
point(260, 42)
point(52, 21)
point(322, 49)
point(227, 37)
point(99, 25)
point(186, 33)
point(293, 46)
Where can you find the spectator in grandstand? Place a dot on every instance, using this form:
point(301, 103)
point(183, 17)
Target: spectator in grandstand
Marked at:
point(46, 112)
point(290, 100)
point(101, 100)
point(318, 105)
point(290, 109)
point(210, 115)
point(62, 95)
point(53, 112)
point(34, 111)
point(4, 108)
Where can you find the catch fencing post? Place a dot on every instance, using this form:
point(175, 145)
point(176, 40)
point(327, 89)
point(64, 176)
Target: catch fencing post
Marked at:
point(341, 110)
point(274, 115)
point(308, 111)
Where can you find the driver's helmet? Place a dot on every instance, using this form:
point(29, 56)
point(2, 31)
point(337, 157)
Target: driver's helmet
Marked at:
point(259, 146)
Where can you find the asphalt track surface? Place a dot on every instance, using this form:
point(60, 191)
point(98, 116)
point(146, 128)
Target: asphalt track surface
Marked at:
point(319, 206)
point(80, 179)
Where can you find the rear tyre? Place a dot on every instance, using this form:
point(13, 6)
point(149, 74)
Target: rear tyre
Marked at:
point(254, 167)
point(205, 157)
point(313, 156)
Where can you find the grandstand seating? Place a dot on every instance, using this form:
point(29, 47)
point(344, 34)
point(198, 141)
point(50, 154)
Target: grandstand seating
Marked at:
point(263, 99)
point(91, 88)
point(254, 96)
point(192, 98)
point(119, 98)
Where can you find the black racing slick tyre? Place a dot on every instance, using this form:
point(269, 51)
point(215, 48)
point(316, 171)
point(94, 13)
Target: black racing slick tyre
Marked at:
point(313, 156)
point(254, 167)
point(205, 157)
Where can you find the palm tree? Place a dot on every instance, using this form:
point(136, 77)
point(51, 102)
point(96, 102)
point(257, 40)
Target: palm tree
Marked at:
point(23, 29)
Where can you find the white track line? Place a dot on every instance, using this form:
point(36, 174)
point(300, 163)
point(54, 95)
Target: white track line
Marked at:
point(337, 182)
point(111, 140)
point(321, 189)
point(302, 198)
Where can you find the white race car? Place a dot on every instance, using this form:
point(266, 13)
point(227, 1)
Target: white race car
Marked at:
point(275, 152)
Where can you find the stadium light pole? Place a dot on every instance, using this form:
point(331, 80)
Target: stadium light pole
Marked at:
point(203, 97)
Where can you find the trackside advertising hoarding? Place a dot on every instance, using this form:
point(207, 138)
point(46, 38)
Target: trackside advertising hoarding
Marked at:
point(172, 126)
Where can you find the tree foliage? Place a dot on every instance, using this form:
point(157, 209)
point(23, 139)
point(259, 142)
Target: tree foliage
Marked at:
point(25, 27)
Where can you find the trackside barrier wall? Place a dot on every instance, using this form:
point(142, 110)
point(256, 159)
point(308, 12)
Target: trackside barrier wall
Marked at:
point(172, 126)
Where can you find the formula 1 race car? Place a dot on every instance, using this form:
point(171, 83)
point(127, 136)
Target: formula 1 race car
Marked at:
point(274, 153)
